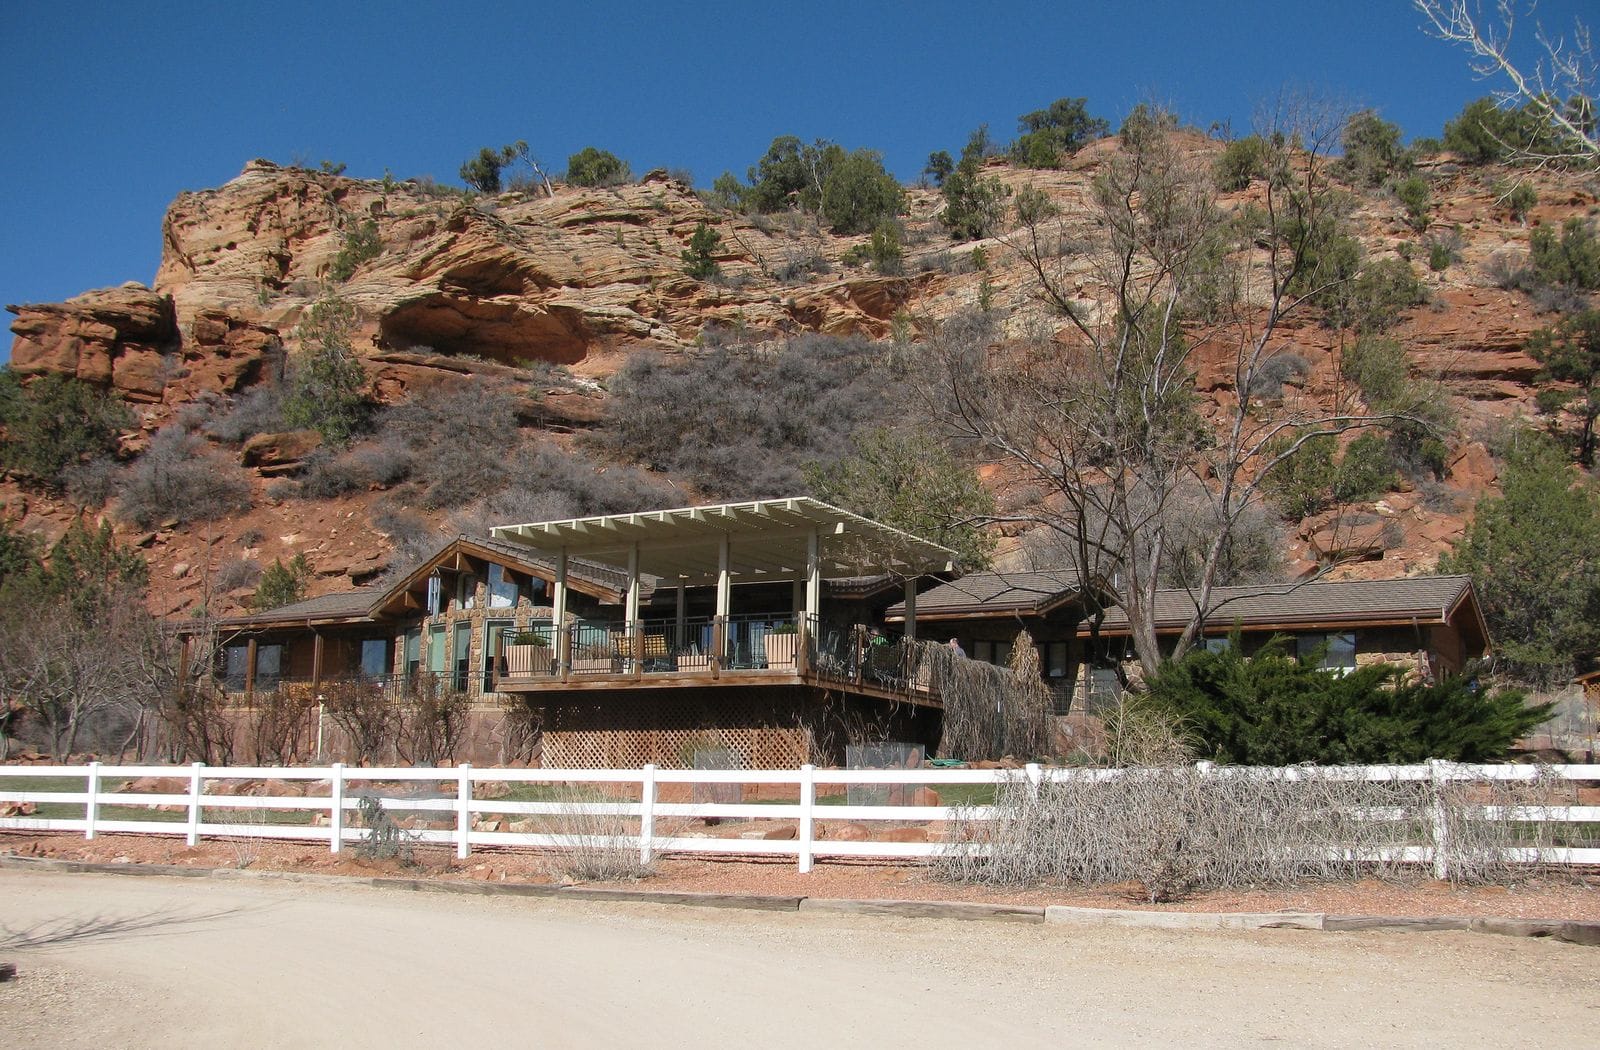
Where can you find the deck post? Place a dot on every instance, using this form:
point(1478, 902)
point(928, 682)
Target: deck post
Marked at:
point(316, 661)
point(724, 602)
point(250, 667)
point(558, 613)
point(634, 631)
point(681, 635)
point(911, 608)
point(813, 575)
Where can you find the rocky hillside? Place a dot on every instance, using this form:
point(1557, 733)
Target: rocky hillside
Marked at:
point(553, 293)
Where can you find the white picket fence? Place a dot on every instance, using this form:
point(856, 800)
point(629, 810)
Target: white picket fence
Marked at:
point(345, 789)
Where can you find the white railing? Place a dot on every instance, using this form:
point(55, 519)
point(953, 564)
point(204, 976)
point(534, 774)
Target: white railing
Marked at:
point(454, 787)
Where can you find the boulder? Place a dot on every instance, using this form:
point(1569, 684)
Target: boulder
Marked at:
point(281, 452)
point(111, 337)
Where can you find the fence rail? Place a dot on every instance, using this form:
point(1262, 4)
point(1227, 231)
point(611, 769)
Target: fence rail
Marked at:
point(452, 793)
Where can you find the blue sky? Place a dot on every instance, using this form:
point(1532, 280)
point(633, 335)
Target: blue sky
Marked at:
point(111, 109)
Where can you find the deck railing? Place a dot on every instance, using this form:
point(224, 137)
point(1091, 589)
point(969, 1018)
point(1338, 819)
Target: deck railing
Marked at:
point(781, 643)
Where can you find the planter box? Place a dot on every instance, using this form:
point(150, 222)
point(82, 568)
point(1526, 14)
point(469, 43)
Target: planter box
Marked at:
point(593, 665)
point(780, 649)
point(525, 660)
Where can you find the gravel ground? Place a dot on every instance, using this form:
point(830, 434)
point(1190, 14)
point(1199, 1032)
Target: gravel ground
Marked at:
point(1566, 897)
point(175, 964)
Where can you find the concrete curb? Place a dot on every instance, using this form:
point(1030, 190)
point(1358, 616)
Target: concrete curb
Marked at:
point(1582, 933)
point(1185, 920)
point(926, 909)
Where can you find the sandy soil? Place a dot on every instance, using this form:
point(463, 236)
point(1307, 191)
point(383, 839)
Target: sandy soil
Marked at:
point(1573, 896)
point(172, 963)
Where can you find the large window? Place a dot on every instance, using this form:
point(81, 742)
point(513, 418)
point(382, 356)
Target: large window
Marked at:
point(375, 662)
point(269, 666)
point(502, 588)
point(438, 655)
point(1338, 649)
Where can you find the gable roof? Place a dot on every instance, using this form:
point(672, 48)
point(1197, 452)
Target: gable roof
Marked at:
point(369, 603)
point(988, 594)
point(1321, 603)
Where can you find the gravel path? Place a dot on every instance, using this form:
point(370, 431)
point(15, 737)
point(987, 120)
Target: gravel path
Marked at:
point(174, 963)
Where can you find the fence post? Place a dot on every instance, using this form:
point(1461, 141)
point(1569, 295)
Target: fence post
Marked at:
point(1441, 830)
point(1035, 775)
point(195, 784)
point(647, 808)
point(805, 835)
point(91, 807)
point(336, 808)
point(463, 810)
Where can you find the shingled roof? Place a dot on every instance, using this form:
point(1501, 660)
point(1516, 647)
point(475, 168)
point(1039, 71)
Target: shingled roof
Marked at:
point(984, 594)
point(1322, 603)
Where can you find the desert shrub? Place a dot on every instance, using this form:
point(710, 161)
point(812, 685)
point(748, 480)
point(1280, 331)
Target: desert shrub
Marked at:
point(1176, 831)
point(1375, 298)
point(55, 422)
point(328, 473)
point(1243, 160)
point(975, 204)
point(1413, 194)
point(235, 573)
point(743, 421)
point(91, 484)
point(1303, 483)
point(257, 411)
point(180, 477)
point(1445, 249)
point(385, 838)
point(1519, 200)
point(362, 243)
point(597, 167)
point(1570, 260)
point(454, 437)
point(910, 480)
point(1484, 132)
point(431, 724)
point(282, 584)
point(859, 195)
point(602, 845)
point(1061, 129)
point(1372, 150)
point(1252, 550)
point(328, 389)
point(1277, 370)
point(1274, 708)
point(1366, 470)
point(700, 257)
point(368, 717)
point(884, 248)
point(281, 720)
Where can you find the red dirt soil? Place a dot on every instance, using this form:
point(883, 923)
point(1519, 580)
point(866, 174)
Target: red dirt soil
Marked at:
point(1574, 897)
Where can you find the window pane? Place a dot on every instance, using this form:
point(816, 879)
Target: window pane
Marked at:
point(502, 588)
point(1056, 661)
point(374, 657)
point(1341, 651)
point(438, 659)
point(269, 661)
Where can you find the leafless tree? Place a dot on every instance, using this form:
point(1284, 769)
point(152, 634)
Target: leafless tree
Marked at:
point(1559, 86)
point(1106, 419)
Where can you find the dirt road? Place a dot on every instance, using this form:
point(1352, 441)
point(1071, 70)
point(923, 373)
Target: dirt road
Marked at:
point(112, 961)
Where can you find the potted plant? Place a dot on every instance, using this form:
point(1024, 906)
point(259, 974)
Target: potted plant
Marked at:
point(528, 653)
point(780, 645)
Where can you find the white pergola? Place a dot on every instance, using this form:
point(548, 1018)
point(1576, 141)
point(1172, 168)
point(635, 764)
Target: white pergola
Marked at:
point(797, 539)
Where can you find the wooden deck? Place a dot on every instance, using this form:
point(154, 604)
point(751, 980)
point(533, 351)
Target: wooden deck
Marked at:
point(711, 678)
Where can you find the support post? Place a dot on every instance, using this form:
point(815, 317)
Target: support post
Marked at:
point(813, 575)
point(316, 661)
point(336, 808)
point(196, 782)
point(1438, 775)
point(647, 814)
point(91, 807)
point(805, 835)
point(630, 615)
point(463, 810)
point(911, 608)
point(558, 613)
point(681, 635)
point(724, 603)
point(250, 667)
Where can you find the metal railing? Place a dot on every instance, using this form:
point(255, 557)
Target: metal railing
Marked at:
point(783, 643)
